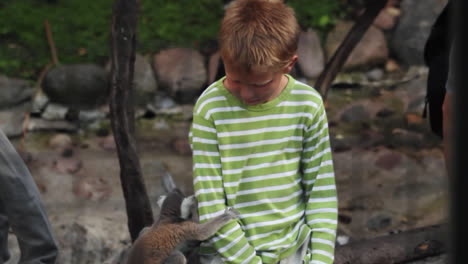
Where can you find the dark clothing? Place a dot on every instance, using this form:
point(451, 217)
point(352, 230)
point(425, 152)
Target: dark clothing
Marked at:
point(436, 57)
point(21, 209)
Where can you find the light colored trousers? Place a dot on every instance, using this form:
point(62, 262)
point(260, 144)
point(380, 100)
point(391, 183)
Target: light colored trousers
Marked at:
point(296, 258)
point(22, 210)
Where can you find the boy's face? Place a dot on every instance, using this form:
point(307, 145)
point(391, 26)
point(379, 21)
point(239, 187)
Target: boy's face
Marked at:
point(255, 87)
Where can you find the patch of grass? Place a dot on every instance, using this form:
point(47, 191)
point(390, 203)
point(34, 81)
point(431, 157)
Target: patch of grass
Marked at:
point(81, 28)
point(318, 14)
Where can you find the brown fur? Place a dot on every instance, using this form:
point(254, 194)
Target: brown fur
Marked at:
point(158, 244)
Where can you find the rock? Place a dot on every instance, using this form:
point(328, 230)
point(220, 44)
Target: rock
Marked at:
point(411, 33)
point(81, 86)
point(355, 113)
point(67, 152)
point(54, 112)
point(214, 65)
point(182, 72)
point(11, 122)
point(388, 161)
point(161, 125)
point(413, 191)
point(370, 139)
point(387, 18)
point(108, 143)
point(14, 91)
point(164, 102)
point(37, 124)
point(371, 50)
point(89, 240)
point(340, 143)
point(414, 93)
point(342, 240)
point(39, 102)
point(91, 188)
point(379, 222)
point(364, 202)
point(60, 141)
point(402, 137)
point(311, 56)
point(144, 80)
point(89, 116)
point(414, 119)
point(441, 259)
point(391, 66)
point(68, 165)
point(385, 112)
point(344, 219)
point(349, 80)
point(375, 74)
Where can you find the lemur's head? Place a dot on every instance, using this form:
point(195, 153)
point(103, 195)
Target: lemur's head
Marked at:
point(176, 206)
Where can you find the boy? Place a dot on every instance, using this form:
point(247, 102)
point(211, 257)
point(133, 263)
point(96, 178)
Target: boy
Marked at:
point(260, 145)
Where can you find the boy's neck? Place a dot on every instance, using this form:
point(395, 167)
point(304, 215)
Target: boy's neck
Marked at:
point(282, 85)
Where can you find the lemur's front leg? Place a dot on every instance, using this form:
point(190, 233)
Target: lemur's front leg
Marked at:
point(208, 229)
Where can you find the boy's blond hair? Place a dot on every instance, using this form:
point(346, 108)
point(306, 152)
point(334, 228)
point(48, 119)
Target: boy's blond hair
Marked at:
point(259, 35)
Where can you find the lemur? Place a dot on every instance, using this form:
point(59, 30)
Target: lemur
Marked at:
point(159, 243)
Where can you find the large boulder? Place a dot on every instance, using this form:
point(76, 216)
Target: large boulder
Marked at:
point(387, 18)
point(144, 81)
point(371, 50)
point(413, 29)
point(79, 86)
point(14, 91)
point(11, 122)
point(182, 72)
point(311, 57)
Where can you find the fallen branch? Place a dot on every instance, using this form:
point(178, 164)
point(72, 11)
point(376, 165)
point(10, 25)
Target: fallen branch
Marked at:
point(398, 248)
point(124, 22)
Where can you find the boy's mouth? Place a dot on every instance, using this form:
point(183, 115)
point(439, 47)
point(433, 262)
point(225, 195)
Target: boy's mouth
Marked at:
point(253, 102)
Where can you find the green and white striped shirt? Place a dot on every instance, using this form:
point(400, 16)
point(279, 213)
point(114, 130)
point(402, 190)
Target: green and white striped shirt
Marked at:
point(271, 162)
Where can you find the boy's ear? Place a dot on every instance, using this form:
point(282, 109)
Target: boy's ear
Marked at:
point(291, 64)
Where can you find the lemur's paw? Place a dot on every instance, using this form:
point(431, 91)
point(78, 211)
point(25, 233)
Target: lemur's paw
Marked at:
point(232, 213)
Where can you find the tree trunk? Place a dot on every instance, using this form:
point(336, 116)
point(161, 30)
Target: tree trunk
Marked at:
point(398, 248)
point(124, 23)
point(353, 37)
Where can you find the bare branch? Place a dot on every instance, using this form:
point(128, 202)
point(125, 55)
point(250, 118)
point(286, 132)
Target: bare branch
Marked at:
point(353, 37)
point(124, 23)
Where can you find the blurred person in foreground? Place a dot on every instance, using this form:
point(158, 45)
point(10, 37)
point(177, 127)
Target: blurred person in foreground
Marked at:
point(21, 209)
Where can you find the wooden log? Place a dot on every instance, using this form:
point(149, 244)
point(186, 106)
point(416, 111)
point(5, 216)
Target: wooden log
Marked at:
point(397, 248)
point(353, 37)
point(123, 33)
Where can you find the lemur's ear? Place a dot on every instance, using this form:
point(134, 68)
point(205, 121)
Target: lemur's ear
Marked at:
point(161, 200)
point(186, 207)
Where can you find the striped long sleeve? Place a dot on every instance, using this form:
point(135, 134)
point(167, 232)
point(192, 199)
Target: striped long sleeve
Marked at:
point(272, 163)
point(319, 181)
point(229, 241)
